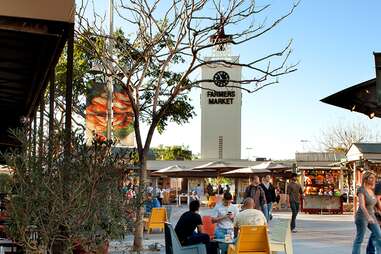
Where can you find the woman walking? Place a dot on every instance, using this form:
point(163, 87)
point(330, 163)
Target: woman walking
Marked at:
point(365, 215)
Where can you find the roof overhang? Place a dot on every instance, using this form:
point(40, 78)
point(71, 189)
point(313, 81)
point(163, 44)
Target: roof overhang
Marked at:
point(32, 37)
point(51, 10)
point(320, 168)
point(358, 98)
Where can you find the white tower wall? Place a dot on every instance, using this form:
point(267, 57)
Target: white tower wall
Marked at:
point(221, 114)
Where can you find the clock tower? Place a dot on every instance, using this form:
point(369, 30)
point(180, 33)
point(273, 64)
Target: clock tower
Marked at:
point(221, 101)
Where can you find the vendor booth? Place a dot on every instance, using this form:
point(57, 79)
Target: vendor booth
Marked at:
point(323, 182)
point(362, 157)
point(180, 180)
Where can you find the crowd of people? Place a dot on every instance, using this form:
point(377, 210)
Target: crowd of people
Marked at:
point(256, 209)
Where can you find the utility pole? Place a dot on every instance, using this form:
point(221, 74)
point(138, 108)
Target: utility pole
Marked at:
point(110, 88)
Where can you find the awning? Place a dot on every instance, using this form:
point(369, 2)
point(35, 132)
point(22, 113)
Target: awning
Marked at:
point(172, 171)
point(32, 36)
point(271, 166)
point(217, 166)
point(319, 168)
point(363, 97)
point(358, 98)
point(181, 171)
point(246, 172)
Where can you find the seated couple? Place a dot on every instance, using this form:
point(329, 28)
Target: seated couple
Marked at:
point(191, 220)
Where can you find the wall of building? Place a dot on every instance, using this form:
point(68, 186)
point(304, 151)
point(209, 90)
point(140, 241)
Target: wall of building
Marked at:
point(221, 114)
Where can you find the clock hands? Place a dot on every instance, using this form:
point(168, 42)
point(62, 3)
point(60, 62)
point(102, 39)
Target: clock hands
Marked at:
point(221, 78)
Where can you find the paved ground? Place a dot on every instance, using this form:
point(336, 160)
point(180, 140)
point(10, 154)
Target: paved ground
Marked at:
point(317, 234)
point(326, 234)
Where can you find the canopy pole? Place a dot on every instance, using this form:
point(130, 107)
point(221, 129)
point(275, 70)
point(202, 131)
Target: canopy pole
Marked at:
point(51, 115)
point(177, 192)
point(188, 199)
point(69, 91)
point(236, 191)
point(354, 188)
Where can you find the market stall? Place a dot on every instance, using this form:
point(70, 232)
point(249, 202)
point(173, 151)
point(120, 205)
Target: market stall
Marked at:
point(321, 191)
point(362, 157)
point(323, 182)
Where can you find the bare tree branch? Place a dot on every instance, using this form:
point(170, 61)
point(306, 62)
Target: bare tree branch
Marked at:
point(163, 47)
point(340, 136)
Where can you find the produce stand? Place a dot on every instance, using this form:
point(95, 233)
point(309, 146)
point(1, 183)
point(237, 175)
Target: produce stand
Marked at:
point(321, 189)
point(324, 180)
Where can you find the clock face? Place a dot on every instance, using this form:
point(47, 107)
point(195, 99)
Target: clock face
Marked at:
point(221, 78)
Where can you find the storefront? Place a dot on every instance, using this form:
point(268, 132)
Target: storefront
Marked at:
point(324, 182)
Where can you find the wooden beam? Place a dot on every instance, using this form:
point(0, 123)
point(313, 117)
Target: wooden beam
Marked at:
point(51, 115)
point(34, 137)
point(41, 129)
point(69, 90)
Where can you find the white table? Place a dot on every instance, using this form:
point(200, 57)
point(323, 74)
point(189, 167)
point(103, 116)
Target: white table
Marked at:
point(182, 196)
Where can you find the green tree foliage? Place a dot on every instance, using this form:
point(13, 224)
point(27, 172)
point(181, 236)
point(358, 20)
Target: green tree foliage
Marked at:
point(172, 153)
point(148, 59)
point(82, 77)
point(88, 69)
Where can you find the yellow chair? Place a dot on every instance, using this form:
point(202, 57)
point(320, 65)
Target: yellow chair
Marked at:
point(157, 219)
point(251, 240)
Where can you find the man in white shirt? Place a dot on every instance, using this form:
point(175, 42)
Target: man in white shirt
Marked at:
point(160, 194)
point(224, 214)
point(248, 216)
point(149, 188)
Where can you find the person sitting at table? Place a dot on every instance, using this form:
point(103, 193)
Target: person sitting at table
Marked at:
point(248, 216)
point(150, 203)
point(185, 229)
point(224, 214)
point(194, 196)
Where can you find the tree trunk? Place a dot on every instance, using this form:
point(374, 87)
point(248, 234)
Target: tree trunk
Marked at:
point(139, 224)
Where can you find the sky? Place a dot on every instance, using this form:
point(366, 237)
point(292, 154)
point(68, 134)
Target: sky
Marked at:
point(333, 41)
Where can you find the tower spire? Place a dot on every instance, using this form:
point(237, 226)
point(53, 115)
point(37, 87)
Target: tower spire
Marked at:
point(220, 39)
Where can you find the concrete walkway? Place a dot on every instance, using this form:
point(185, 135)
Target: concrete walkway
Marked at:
point(323, 234)
point(317, 234)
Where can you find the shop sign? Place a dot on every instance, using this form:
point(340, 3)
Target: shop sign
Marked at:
point(220, 97)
